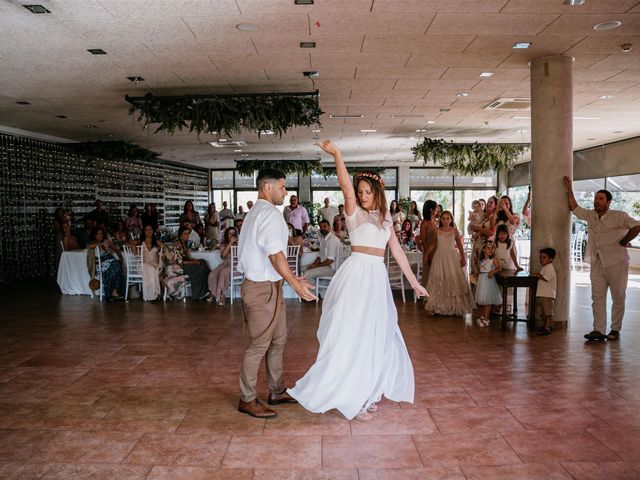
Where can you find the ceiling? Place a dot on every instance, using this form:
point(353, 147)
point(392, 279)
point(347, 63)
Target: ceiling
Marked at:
point(398, 63)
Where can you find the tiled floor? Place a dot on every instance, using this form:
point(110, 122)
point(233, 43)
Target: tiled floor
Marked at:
point(149, 391)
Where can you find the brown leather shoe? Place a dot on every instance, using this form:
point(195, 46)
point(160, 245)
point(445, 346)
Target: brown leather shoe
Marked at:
point(278, 398)
point(255, 409)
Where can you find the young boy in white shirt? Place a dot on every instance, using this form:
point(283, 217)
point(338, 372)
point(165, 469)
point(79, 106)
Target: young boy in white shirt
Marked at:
point(546, 291)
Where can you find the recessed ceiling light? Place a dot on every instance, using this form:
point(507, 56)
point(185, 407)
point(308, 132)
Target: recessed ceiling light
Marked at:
point(307, 44)
point(311, 74)
point(519, 117)
point(522, 45)
point(606, 97)
point(213, 133)
point(574, 2)
point(462, 94)
point(445, 109)
point(266, 132)
point(487, 74)
point(136, 79)
point(421, 130)
point(238, 151)
point(244, 155)
point(96, 51)
point(247, 27)
point(303, 2)
point(317, 130)
point(36, 8)
point(430, 122)
point(368, 130)
point(586, 118)
point(612, 25)
point(222, 139)
point(61, 116)
point(618, 131)
point(22, 102)
point(407, 116)
point(346, 116)
point(522, 131)
point(91, 127)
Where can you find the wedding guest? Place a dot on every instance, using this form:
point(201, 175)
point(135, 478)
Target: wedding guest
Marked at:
point(83, 234)
point(438, 213)
point(189, 217)
point(239, 223)
point(132, 223)
point(610, 231)
point(505, 249)
point(325, 264)
point(249, 205)
point(111, 268)
point(327, 212)
point(195, 269)
point(414, 215)
point(505, 215)
point(427, 237)
point(150, 217)
point(340, 228)
point(69, 240)
point(474, 218)
point(486, 231)
point(151, 264)
point(448, 286)
point(212, 224)
point(99, 215)
point(297, 216)
point(220, 276)
point(118, 232)
point(240, 215)
point(225, 215)
point(526, 210)
point(199, 230)
point(397, 215)
point(340, 212)
point(405, 236)
point(483, 204)
point(546, 290)
point(487, 291)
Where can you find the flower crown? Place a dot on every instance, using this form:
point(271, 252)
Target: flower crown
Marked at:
point(372, 176)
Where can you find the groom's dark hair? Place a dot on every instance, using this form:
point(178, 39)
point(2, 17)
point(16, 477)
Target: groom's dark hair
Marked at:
point(268, 175)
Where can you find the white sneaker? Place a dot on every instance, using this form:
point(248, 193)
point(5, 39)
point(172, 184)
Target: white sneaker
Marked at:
point(487, 322)
point(480, 322)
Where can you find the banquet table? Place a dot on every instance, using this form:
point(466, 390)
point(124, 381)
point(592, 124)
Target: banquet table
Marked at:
point(73, 276)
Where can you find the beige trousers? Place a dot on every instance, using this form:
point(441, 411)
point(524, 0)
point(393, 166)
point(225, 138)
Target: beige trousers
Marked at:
point(614, 278)
point(265, 312)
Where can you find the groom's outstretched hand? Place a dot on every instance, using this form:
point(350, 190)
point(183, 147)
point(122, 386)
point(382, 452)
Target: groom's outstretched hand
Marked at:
point(303, 289)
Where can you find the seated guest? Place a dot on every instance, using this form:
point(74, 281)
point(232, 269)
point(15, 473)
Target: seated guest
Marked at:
point(69, 241)
point(151, 264)
point(221, 275)
point(133, 223)
point(199, 231)
point(340, 228)
point(99, 215)
point(150, 217)
point(118, 232)
point(195, 269)
point(239, 223)
point(325, 264)
point(111, 268)
point(82, 234)
point(406, 235)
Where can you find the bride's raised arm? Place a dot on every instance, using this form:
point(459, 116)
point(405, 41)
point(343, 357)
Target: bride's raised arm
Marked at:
point(344, 180)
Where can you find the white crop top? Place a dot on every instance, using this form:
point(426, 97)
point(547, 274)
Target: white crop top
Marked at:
point(365, 229)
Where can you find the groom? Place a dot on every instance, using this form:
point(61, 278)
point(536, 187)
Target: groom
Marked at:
point(263, 261)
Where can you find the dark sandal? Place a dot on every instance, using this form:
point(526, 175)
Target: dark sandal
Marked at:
point(613, 335)
point(595, 335)
point(544, 331)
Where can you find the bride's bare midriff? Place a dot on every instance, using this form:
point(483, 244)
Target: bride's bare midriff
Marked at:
point(379, 252)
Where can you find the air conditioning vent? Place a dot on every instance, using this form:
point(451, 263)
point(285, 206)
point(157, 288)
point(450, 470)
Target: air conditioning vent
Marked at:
point(229, 144)
point(509, 104)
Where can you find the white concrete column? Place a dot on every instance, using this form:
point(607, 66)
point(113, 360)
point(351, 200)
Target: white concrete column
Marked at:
point(552, 159)
point(304, 188)
point(403, 181)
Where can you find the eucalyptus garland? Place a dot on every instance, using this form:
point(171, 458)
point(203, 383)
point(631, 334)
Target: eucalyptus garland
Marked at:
point(112, 150)
point(228, 114)
point(469, 158)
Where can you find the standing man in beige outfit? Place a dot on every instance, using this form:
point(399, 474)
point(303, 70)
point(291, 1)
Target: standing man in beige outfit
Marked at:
point(609, 233)
point(262, 259)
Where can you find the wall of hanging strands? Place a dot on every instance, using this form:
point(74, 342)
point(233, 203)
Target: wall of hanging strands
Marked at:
point(37, 177)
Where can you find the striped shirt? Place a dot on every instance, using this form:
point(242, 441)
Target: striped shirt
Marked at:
point(605, 233)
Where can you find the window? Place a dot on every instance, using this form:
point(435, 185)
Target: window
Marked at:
point(625, 191)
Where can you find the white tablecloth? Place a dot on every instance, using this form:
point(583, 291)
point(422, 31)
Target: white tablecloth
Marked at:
point(73, 276)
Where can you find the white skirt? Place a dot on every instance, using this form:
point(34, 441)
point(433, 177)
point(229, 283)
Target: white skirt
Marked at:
point(362, 354)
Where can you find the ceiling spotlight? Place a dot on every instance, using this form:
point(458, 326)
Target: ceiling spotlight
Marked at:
point(311, 74)
point(136, 80)
point(247, 27)
point(421, 130)
point(317, 130)
point(626, 47)
point(307, 44)
point(36, 8)
point(303, 2)
point(244, 155)
point(238, 151)
point(346, 116)
point(606, 97)
point(520, 45)
point(487, 74)
point(91, 127)
point(612, 25)
point(574, 2)
point(368, 130)
point(462, 94)
point(96, 51)
point(430, 122)
point(22, 102)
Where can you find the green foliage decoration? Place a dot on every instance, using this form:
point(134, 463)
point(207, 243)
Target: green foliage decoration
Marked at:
point(228, 114)
point(112, 150)
point(636, 208)
point(469, 158)
point(405, 204)
point(246, 168)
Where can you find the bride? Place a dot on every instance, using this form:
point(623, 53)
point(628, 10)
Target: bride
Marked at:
point(362, 353)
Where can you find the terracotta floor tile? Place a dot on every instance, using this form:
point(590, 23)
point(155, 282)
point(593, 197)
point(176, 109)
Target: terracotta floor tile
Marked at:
point(60, 417)
point(604, 470)
point(284, 452)
point(388, 421)
point(474, 420)
point(11, 412)
point(465, 449)
point(295, 420)
point(199, 473)
point(319, 474)
point(529, 471)
point(96, 472)
point(386, 451)
point(20, 445)
point(174, 449)
point(558, 446)
point(161, 418)
point(624, 442)
point(427, 473)
point(221, 421)
point(23, 471)
point(544, 417)
point(87, 447)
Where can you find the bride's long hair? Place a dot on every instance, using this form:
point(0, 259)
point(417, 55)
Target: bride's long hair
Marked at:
point(377, 188)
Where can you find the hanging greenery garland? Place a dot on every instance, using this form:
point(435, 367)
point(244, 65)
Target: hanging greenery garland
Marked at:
point(247, 168)
point(228, 114)
point(469, 158)
point(112, 150)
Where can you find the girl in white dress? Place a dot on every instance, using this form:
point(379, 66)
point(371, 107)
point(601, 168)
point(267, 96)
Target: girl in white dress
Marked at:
point(487, 292)
point(151, 265)
point(362, 354)
point(450, 292)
